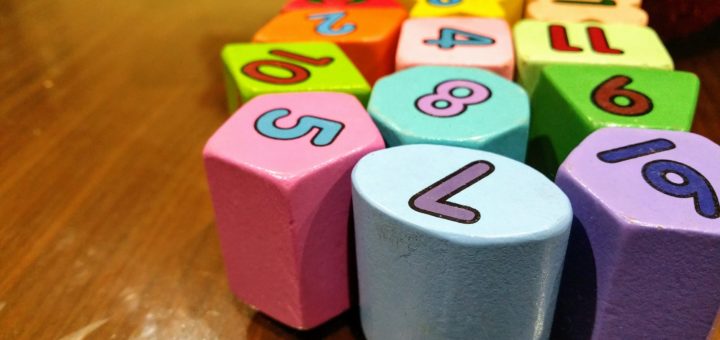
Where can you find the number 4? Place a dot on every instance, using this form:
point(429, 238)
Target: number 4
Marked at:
point(449, 39)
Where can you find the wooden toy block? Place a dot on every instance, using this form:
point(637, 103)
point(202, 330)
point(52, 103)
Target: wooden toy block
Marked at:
point(456, 8)
point(454, 243)
point(279, 175)
point(470, 42)
point(538, 44)
point(572, 101)
point(466, 107)
point(367, 35)
point(293, 5)
point(605, 11)
point(643, 259)
point(255, 69)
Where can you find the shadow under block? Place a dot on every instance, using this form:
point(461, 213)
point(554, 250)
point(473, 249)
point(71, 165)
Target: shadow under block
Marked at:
point(466, 107)
point(293, 5)
point(572, 101)
point(454, 243)
point(643, 260)
point(605, 11)
point(539, 44)
point(367, 35)
point(469, 42)
point(256, 69)
point(279, 175)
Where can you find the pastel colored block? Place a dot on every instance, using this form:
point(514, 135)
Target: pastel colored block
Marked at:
point(605, 11)
point(457, 106)
point(539, 44)
point(455, 8)
point(643, 259)
point(454, 243)
point(469, 42)
point(572, 101)
point(255, 69)
point(293, 5)
point(279, 175)
point(367, 35)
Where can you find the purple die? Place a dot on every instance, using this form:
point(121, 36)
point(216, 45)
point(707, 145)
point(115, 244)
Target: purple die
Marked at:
point(644, 255)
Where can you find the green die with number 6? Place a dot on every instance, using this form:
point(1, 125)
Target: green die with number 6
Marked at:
point(253, 69)
point(572, 101)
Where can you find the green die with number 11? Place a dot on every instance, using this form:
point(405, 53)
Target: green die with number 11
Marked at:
point(253, 69)
point(572, 101)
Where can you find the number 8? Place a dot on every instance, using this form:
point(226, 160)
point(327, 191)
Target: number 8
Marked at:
point(455, 105)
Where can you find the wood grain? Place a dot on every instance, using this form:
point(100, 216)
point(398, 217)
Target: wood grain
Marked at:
point(106, 224)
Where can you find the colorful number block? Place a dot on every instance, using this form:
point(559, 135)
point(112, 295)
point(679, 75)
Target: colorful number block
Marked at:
point(293, 5)
point(279, 175)
point(465, 107)
point(454, 243)
point(455, 8)
point(572, 101)
point(367, 35)
point(469, 42)
point(539, 44)
point(643, 259)
point(256, 69)
point(605, 11)
point(715, 332)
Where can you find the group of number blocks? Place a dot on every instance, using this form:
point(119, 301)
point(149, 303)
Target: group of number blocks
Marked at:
point(453, 242)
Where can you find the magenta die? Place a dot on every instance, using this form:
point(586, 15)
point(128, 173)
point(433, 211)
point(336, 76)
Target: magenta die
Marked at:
point(457, 41)
point(279, 175)
point(644, 255)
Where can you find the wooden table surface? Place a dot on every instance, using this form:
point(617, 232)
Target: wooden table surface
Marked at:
point(106, 226)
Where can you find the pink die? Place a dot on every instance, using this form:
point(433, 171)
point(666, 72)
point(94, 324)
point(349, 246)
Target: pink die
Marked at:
point(279, 175)
point(457, 41)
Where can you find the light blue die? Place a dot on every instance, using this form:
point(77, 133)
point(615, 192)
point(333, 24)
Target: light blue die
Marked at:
point(459, 106)
point(454, 243)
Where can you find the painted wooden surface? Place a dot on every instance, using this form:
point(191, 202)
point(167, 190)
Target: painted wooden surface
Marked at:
point(107, 225)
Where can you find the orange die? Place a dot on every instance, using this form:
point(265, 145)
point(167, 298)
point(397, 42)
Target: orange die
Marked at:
point(367, 35)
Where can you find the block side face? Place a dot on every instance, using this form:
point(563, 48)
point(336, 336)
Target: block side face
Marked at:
point(666, 285)
point(405, 105)
point(628, 97)
point(255, 226)
point(633, 188)
point(428, 41)
point(279, 74)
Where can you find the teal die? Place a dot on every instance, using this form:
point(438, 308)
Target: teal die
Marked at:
point(455, 106)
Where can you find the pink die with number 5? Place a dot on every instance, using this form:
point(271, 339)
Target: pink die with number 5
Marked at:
point(458, 41)
point(279, 175)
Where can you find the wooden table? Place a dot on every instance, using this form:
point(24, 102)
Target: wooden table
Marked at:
point(106, 226)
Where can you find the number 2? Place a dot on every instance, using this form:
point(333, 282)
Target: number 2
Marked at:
point(453, 104)
point(448, 39)
point(326, 27)
point(328, 130)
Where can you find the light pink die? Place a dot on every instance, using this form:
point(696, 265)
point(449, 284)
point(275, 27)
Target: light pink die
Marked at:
point(282, 200)
point(418, 44)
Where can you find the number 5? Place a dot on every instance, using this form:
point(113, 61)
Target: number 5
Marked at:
point(328, 130)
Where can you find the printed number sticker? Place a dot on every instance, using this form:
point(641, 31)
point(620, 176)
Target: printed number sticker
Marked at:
point(452, 97)
point(598, 41)
point(328, 130)
point(605, 96)
point(433, 200)
point(298, 74)
point(444, 2)
point(686, 182)
point(449, 39)
point(328, 27)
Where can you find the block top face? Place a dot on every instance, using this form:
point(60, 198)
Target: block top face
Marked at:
point(650, 178)
point(627, 96)
point(289, 135)
point(336, 25)
point(442, 104)
point(439, 8)
point(456, 41)
point(290, 67)
point(620, 11)
point(325, 4)
point(463, 195)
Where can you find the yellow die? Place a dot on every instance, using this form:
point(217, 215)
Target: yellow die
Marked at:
point(445, 8)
